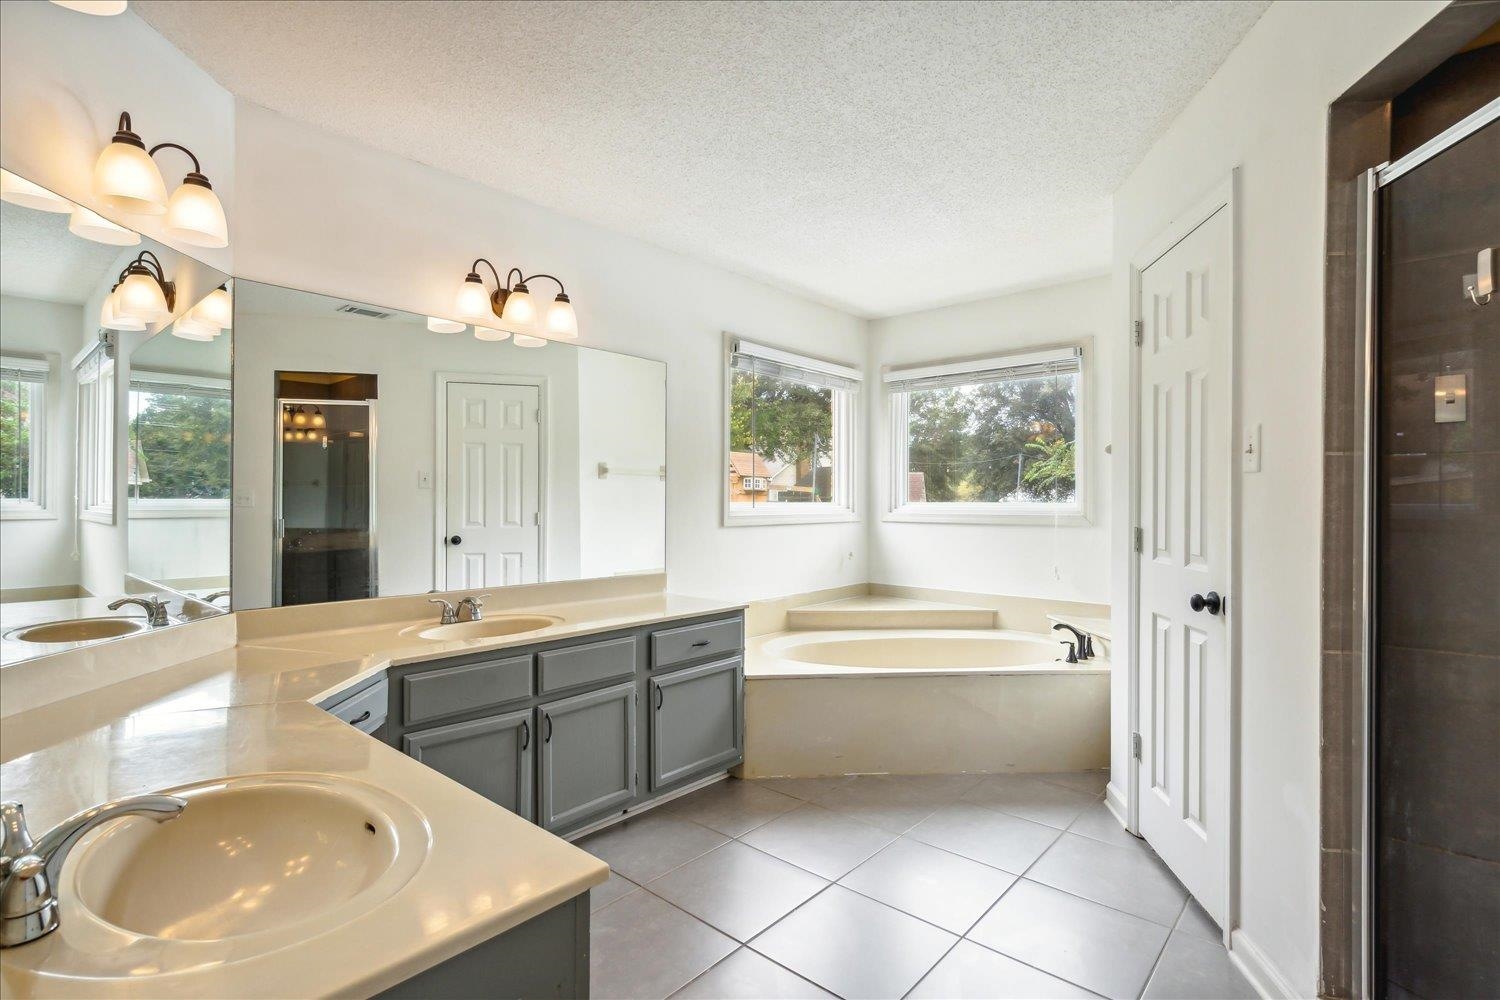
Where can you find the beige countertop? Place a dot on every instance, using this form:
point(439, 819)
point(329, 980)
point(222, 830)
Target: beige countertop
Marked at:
point(246, 710)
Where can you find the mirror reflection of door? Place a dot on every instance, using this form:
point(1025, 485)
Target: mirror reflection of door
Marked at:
point(325, 492)
point(493, 484)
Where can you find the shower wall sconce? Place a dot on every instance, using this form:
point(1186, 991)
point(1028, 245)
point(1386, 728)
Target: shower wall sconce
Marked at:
point(126, 179)
point(510, 309)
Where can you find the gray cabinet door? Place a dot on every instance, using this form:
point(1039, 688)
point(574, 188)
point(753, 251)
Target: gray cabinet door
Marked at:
point(587, 753)
point(492, 756)
point(695, 720)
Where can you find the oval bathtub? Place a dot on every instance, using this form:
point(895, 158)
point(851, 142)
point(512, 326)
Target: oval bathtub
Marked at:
point(917, 701)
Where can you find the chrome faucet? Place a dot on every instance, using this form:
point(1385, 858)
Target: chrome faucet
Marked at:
point(29, 869)
point(475, 604)
point(156, 610)
point(450, 616)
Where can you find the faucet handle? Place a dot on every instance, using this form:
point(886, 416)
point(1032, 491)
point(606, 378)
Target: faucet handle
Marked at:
point(476, 599)
point(450, 613)
point(15, 839)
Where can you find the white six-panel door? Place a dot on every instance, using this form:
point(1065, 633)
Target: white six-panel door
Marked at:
point(1185, 442)
point(492, 535)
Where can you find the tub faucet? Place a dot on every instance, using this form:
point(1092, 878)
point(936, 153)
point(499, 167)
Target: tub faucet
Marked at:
point(1085, 646)
point(156, 610)
point(29, 869)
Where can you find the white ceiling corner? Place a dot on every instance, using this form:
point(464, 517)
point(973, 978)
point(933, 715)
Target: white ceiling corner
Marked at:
point(881, 157)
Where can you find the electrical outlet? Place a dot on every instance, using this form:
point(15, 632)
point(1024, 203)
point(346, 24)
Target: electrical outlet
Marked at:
point(1250, 449)
point(424, 480)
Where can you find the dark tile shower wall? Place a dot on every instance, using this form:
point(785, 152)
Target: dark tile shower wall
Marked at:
point(1437, 683)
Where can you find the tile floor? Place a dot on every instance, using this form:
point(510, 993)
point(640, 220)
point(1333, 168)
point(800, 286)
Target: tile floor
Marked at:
point(896, 886)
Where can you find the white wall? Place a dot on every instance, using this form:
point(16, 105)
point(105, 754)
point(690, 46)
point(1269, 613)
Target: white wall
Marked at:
point(1265, 111)
point(66, 78)
point(621, 413)
point(1069, 563)
point(39, 552)
point(321, 213)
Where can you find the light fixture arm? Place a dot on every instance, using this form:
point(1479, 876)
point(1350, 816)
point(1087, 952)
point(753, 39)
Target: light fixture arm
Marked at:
point(549, 277)
point(125, 133)
point(196, 176)
point(474, 270)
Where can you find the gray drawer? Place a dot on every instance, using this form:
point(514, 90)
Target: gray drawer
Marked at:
point(696, 642)
point(470, 687)
point(597, 661)
point(364, 711)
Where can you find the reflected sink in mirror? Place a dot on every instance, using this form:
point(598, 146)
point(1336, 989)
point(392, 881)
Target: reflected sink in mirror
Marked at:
point(494, 627)
point(250, 856)
point(77, 630)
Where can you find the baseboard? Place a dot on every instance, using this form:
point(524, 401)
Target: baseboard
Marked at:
point(1264, 976)
point(1114, 801)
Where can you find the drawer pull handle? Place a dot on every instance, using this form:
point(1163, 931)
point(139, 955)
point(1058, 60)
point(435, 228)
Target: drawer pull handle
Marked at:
point(548, 720)
point(658, 699)
point(700, 643)
point(363, 717)
point(525, 734)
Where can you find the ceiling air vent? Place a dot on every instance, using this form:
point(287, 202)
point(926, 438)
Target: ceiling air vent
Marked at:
point(364, 311)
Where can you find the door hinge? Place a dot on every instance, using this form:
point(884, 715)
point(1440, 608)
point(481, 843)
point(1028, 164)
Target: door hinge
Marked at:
point(536, 518)
point(1140, 332)
point(1140, 539)
point(538, 416)
point(1135, 745)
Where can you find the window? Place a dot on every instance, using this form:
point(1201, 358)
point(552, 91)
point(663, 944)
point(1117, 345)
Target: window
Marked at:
point(23, 408)
point(790, 437)
point(996, 439)
point(179, 458)
point(96, 436)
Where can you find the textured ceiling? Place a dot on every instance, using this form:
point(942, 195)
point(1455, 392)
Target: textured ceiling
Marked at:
point(881, 157)
point(40, 259)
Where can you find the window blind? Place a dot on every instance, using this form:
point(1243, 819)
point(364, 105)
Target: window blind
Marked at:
point(1035, 364)
point(756, 359)
point(170, 384)
point(33, 370)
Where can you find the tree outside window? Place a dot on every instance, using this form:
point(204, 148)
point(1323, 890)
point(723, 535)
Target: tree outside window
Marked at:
point(179, 445)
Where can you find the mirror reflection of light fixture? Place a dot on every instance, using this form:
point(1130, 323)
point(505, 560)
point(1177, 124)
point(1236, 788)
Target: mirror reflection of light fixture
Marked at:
point(318, 419)
point(91, 225)
point(189, 328)
point(19, 191)
point(126, 179)
point(145, 293)
point(110, 320)
point(217, 309)
point(513, 305)
point(438, 325)
point(522, 340)
point(99, 8)
point(299, 417)
point(286, 435)
point(490, 333)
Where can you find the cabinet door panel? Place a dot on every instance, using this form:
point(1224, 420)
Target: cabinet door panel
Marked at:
point(695, 720)
point(587, 755)
point(492, 756)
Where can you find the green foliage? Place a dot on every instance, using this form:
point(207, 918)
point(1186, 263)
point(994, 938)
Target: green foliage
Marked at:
point(185, 442)
point(980, 443)
point(15, 439)
point(780, 419)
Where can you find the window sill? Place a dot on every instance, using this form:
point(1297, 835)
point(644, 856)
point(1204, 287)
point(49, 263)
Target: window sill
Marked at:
point(739, 519)
point(1070, 517)
point(26, 512)
point(96, 515)
point(142, 510)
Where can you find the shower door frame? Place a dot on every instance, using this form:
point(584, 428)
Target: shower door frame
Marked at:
point(1367, 355)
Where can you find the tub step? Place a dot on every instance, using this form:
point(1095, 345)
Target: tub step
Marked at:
point(887, 612)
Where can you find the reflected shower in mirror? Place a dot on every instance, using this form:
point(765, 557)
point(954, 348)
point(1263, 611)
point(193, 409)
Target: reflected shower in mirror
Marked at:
point(114, 428)
point(376, 457)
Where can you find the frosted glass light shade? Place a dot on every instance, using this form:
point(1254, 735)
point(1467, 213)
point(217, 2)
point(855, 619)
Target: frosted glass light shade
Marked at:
point(110, 320)
point(19, 191)
point(562, 322)
point(190, 329)
point(140, 297)
point(522, 340)
point(519, 314)
point(127, 180)
point(196, 217)
point(216, 308)
point(437, 324)
point(99, 8)
point(490, 333)
point(91, 225)
point(473, 301)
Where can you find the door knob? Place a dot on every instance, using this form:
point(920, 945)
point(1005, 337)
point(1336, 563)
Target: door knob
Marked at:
point(1210, 602)
point(456, 540)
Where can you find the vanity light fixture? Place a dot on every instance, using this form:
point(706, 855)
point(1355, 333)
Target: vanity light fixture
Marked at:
point(490, 333)
point(99, 8)
point(91, 225)
point(216, 308)
point(19, 191)
point(126, 179)
point(522, 340)
point(189, 328)
point(110, 320)
point(512, 304)
point(145, 293)
point(318, 419)
point(299, 417)
point(437, 324)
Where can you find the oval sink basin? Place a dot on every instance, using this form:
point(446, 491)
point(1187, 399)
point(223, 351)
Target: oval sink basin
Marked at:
point(488, 628)
point(77, 630)
point(250, 856)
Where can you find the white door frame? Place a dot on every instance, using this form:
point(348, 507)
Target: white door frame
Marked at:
point(1223, 196)
point(440, 466)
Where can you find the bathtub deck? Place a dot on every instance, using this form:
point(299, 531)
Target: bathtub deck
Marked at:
point(872, 611)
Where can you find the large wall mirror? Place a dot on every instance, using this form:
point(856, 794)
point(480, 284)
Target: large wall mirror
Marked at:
point(375, 456)
point(115, 429)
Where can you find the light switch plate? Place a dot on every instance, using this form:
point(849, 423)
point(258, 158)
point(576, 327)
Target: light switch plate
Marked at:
point(244, 498)
point(1450, 399)
point(1250, 449)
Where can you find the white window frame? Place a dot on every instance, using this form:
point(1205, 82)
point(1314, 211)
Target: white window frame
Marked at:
point(145, 380)
point(37, 373)
point(97, 412)
point(899, 509)
point(845, 437)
